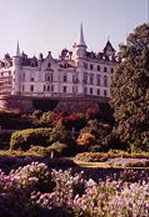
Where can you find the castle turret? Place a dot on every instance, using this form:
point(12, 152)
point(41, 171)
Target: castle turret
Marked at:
point(80, 47)
point(16, 71)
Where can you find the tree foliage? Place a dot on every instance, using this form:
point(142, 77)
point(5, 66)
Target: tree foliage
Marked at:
point(130, 90)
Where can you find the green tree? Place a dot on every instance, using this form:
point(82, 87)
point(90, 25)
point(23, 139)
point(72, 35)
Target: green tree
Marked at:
point(130, 91)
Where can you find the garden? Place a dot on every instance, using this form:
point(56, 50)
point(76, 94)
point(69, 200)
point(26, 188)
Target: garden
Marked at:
point(91, 164)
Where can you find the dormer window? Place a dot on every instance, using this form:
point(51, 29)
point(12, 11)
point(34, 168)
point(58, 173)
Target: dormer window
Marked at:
point(33, 64)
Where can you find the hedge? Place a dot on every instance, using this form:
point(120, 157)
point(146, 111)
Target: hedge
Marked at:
point(22, 140)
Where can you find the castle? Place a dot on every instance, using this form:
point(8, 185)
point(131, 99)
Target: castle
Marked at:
point(77, 79)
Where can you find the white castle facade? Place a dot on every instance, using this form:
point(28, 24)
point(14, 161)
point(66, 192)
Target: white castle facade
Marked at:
point(76, 73)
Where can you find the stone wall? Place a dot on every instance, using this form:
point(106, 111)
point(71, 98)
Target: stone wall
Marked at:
point(69, 105)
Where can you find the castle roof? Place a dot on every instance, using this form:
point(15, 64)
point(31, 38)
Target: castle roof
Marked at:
point(81, 41)
point(108, 46)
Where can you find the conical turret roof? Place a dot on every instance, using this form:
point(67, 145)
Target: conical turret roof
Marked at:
point(81, 41)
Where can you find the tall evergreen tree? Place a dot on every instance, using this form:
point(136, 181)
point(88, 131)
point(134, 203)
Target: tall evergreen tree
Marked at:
point(130, 90)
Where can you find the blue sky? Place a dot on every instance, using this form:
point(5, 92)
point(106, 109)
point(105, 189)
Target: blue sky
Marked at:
point(51, 25)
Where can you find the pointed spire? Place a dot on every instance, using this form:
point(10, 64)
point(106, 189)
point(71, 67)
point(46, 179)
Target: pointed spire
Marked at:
point(81, 40)
point(18, 49)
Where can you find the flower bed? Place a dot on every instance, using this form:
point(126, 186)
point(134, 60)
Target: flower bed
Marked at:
point(36, 190)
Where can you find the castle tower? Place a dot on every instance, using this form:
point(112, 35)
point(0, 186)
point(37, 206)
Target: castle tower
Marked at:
point(16, 72)
point(80, 47)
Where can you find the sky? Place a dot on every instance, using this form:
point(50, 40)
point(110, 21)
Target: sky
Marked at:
point(52, 25)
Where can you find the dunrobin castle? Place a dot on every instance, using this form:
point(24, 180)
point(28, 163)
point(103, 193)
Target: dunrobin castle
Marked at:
point(77, 80)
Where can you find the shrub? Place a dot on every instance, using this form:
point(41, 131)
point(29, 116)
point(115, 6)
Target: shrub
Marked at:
point(4, 140)
point(86, 139)
point(61, 134)
point(23, 140)
point(74, 121)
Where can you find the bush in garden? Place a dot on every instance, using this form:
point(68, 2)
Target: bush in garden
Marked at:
point(4, 140)
point(61, 134)
point(74, 121)
point(61, 149)
point(93, 114)
point(99, 131)
point(40, 150)
point(22, 140)
point(33, 177)
point(86, 140)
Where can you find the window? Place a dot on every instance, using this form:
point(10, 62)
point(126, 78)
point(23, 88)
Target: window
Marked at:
point(91, 79)
point(32, 79)
point(64, 89)
point(112, 70)
point(44, 88)
point(98, 80)
point(65, 78)
point(98, 92)
point(91, 90)
point(85, 90)
point(49, 65)
point(49, 77)
point(23, 77)
point(22, 88)
point(105, 93)
point(105, 81)
point(74, 79)
point(32, 88)
point(85, 78)
point(74, 90)
point(52, 88)
point(48, 88)
point(85, 65)
point(105, 69)
point(91, 66)
point(32, 75)
point(98, 68)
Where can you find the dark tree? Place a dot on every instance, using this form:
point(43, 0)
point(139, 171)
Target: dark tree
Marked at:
point(130, 91)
